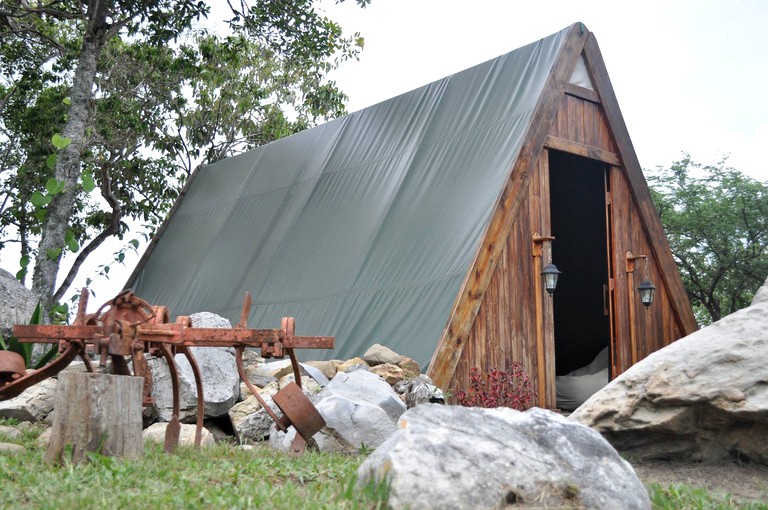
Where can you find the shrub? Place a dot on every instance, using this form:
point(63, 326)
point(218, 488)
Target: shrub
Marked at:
point(499, 388)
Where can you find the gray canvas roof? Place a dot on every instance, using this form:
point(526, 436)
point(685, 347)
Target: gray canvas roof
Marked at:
point(362, 228)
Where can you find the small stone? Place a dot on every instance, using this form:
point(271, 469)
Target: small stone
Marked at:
point(308, 384)
point(11, 448)
point(354, 363)
point(378, 354)
point(156, 433)
point(328, 368)
point(9, 432)
point(392, 374)
point(410, 367)
point(45, 437)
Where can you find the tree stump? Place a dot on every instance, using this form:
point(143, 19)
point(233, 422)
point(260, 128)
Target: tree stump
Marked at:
point(98, 413)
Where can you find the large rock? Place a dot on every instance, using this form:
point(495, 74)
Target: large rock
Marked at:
point(34, 404)
point(704, 397)
point(17, 303)
point(221, 382)
point(250, 420)
point(360, 410)
point(472, 458)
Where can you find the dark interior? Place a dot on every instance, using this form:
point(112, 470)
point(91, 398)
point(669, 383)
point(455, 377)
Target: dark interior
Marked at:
point(577, 207)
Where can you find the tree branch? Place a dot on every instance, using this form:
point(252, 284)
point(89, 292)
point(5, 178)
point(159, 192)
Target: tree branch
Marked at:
point(111, 230)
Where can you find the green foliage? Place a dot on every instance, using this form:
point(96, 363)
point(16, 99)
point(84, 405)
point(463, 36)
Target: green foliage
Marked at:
point(682, 496)
point(169, 96)
point(25, 349)
point(716, 220)
point(221, 476)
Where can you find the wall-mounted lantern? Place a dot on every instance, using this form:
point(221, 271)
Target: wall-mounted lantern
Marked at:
point(550, 274)
point(646, 290)
point(550, 271)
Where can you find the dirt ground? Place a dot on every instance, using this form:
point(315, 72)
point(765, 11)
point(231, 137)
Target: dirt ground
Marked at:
point(745, 481)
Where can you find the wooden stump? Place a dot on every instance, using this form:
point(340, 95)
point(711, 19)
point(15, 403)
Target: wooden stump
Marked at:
point(96, 413)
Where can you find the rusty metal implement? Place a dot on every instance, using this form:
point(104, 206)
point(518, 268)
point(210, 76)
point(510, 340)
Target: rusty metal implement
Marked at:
point(129, 327)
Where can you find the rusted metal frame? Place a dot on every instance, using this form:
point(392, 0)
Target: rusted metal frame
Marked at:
point(200, 400)
point(15, 388)
point(244, 377)
point(173, 429)
point(180, 335)
point(131, 326)
point(289, 328)
point(299, 412)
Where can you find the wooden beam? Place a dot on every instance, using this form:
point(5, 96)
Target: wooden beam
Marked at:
point(582, 92)
point(451, 345)
point(580, 149)
point(639, 188)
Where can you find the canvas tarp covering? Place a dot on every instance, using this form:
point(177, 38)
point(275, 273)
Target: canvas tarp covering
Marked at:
point(362, 228)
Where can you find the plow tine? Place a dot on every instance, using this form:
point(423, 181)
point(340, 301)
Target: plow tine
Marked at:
point(200, 399)
point(173, 430)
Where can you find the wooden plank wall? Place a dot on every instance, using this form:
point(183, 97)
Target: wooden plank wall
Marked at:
point(504, 329)
point(582, 121)
point(657, 325)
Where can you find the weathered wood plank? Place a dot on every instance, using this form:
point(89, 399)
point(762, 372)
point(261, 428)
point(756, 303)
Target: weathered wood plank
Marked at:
point(582, 93)
point(587, 151)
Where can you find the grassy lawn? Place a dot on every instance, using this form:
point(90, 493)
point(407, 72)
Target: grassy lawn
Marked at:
point(681, 496)
point(219, 477)
point(224, 477)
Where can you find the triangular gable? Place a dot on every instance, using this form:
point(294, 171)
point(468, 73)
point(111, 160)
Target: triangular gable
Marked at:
point(365, 227)
point(579, 70)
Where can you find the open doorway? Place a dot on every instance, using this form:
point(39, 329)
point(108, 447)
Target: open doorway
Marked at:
point(582, 323)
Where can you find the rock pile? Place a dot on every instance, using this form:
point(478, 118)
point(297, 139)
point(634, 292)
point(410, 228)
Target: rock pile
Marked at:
point(360, 399)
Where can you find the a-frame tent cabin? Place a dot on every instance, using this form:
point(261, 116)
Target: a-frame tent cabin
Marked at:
point(422, 223)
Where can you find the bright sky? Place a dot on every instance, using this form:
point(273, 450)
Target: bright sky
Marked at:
point(689, 75)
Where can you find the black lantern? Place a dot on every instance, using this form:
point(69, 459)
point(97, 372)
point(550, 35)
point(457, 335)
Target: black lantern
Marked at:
point(550, 274)
point(646, 290)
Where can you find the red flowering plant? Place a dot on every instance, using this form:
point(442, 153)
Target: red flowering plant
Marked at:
point(499, 388)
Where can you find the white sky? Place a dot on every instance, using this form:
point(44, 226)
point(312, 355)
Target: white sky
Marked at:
point(689, 75)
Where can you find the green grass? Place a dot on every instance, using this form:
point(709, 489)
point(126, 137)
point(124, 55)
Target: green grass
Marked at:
point(682, 496)
point(225, 477)
point(219, 477)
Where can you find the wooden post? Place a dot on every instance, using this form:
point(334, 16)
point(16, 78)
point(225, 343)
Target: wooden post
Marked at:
point(541, 373)
point(631, 259)
point(96, 413)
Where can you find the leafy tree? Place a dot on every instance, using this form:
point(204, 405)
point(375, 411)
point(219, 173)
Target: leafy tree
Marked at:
point(716, 220)
point(127, 97)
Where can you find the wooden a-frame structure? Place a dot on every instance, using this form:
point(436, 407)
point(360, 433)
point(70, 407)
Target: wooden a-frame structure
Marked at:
point(423, 223)
point(577, 115)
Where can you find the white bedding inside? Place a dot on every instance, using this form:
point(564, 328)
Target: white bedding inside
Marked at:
point(578, 385)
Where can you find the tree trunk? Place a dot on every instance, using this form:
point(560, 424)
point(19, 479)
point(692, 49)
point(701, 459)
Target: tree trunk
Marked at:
point(67, 169)
point(96, 413)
